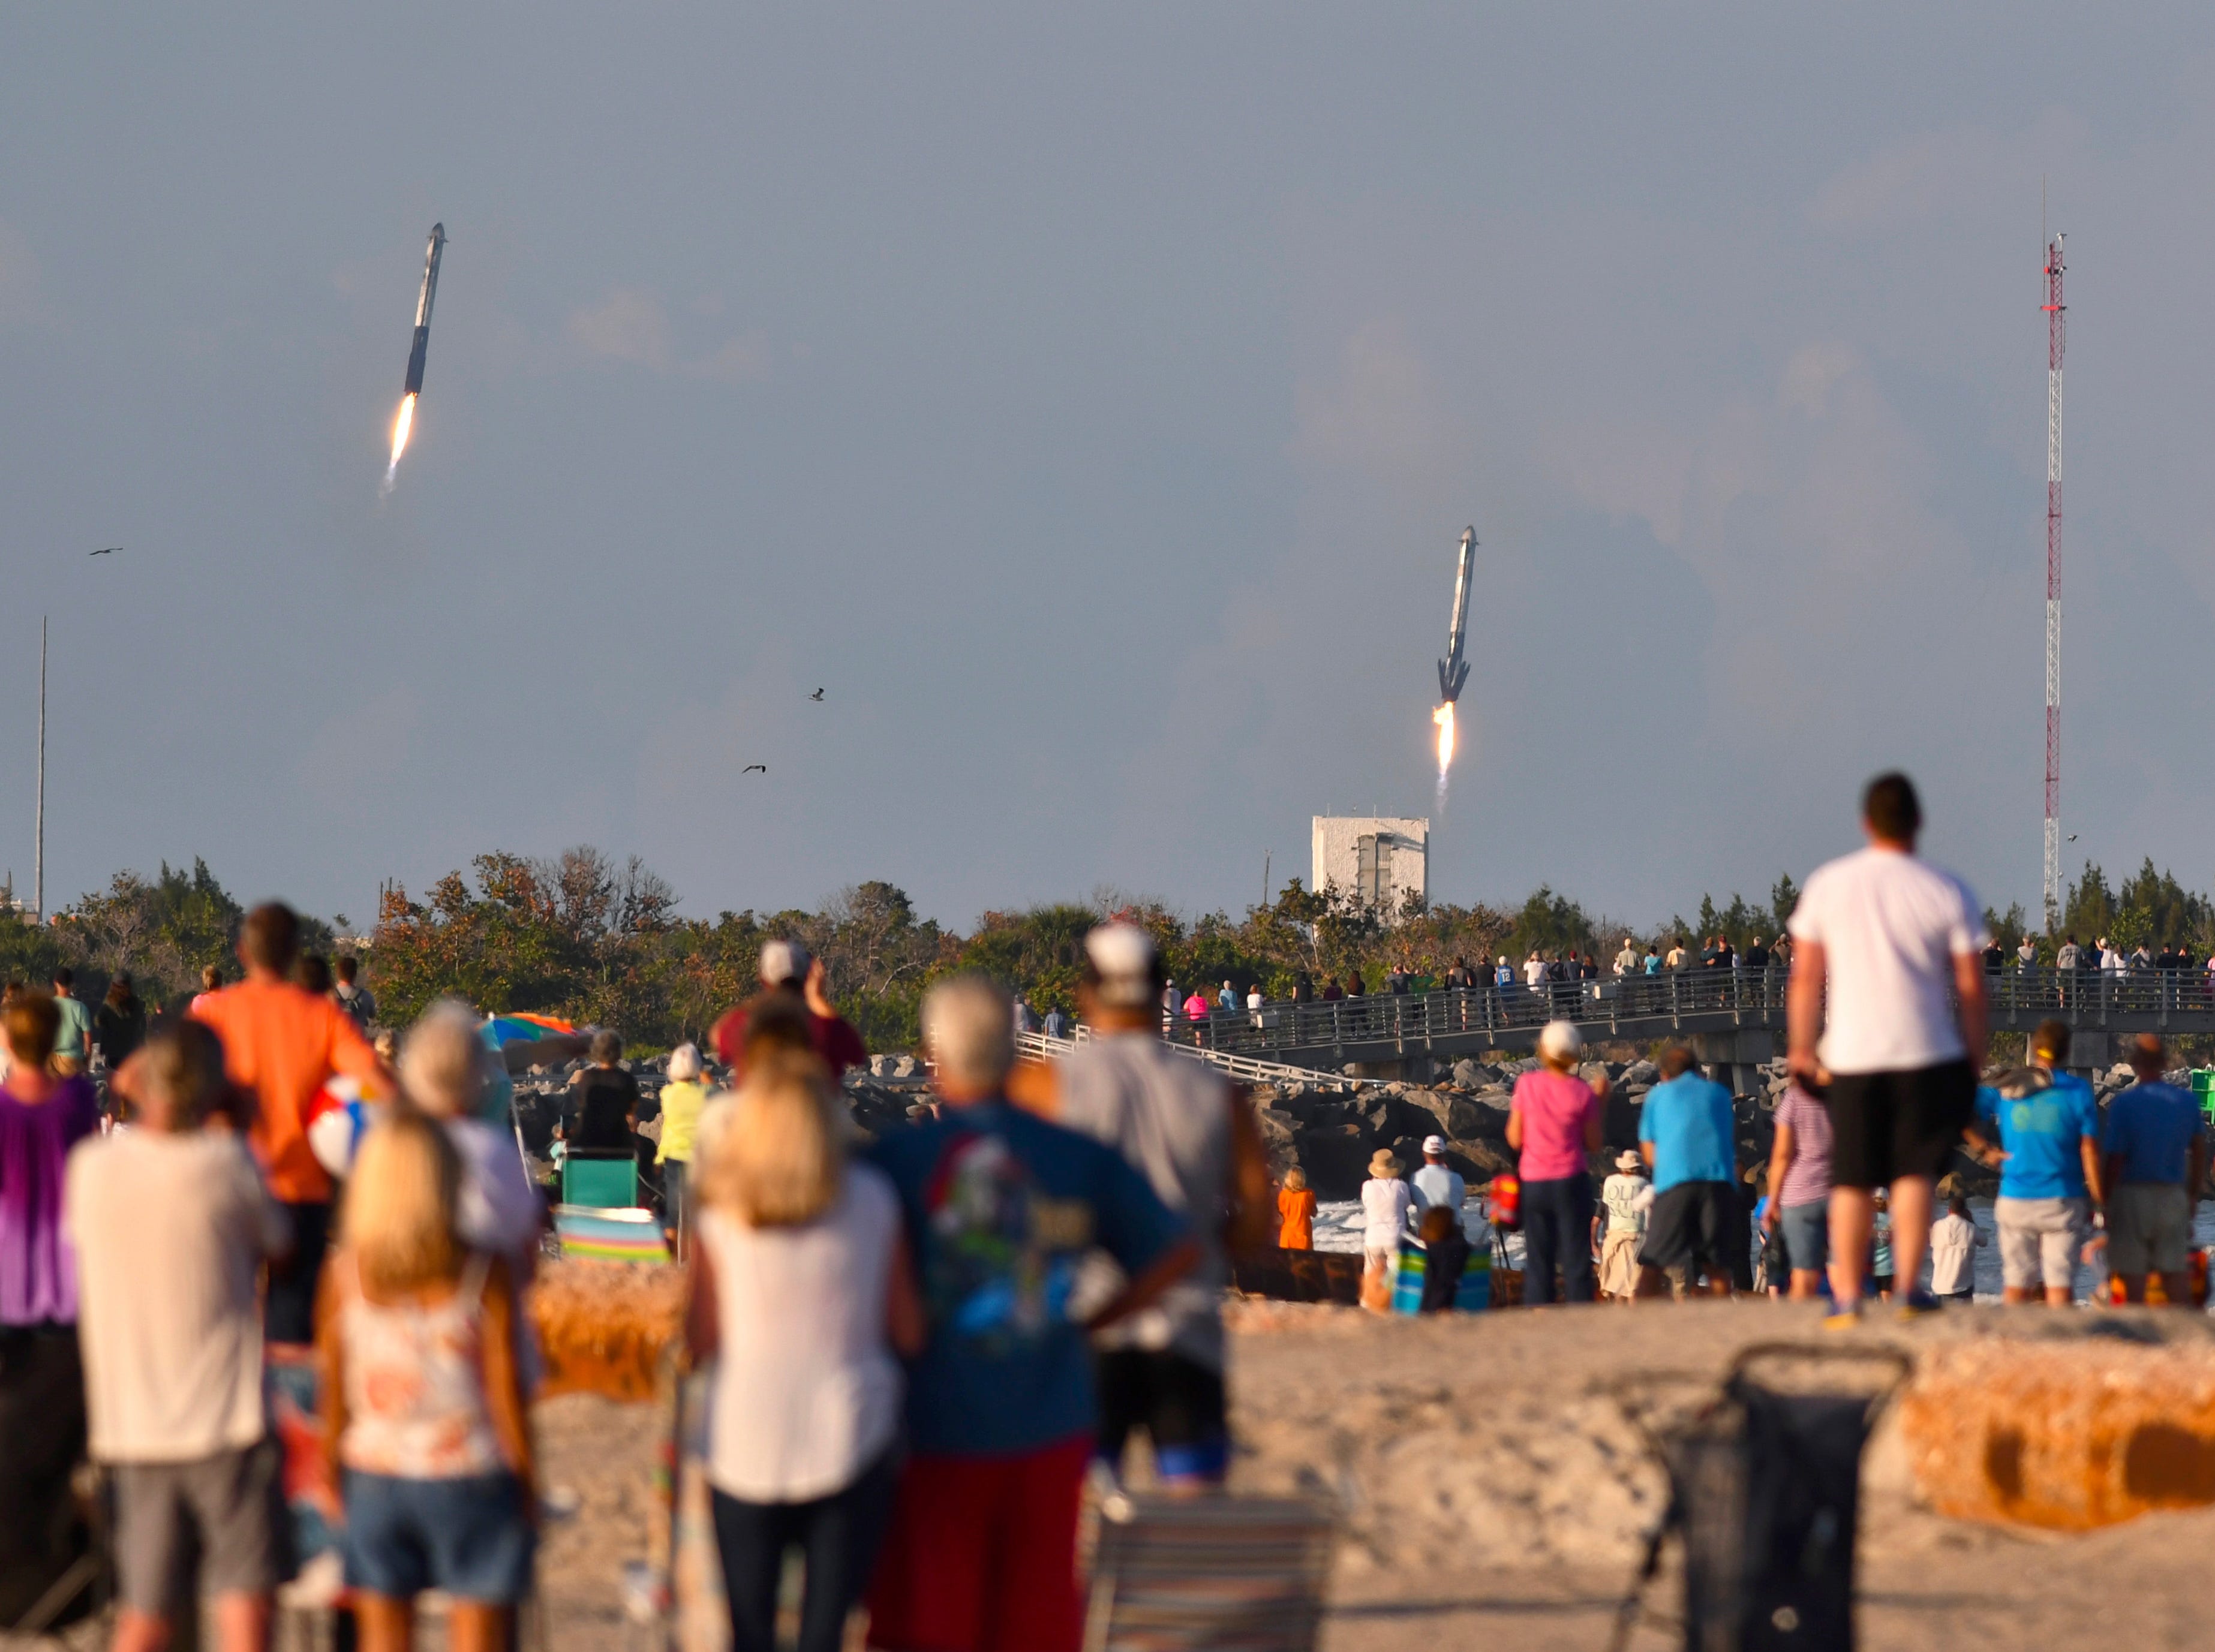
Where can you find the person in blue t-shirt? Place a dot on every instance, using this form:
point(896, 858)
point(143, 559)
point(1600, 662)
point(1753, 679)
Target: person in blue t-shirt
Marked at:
point(1002, 1210)
point(1686, 1135)
point(2154, 1163)
point(2048, 1128)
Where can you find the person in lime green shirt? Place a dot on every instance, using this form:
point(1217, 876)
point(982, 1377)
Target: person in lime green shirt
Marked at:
point(682, 1099)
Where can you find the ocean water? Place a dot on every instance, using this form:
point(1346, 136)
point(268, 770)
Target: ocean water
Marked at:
point(1338, 1227)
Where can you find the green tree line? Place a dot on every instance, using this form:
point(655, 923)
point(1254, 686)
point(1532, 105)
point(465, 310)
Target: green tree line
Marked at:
point(595, 940)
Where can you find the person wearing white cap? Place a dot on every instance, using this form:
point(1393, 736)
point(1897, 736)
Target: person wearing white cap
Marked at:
point(1183, 1128)
point(1438, 1184)
point(1554, 1123)
point(786, 967)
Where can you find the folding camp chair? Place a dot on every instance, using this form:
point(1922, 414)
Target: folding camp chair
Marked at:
point(1208, 1574)
point(605, 1177)
point(604, 1235)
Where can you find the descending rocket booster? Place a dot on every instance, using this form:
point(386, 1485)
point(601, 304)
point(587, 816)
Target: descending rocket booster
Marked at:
point(1453, 669)
point(403, 422)
point(422, 345)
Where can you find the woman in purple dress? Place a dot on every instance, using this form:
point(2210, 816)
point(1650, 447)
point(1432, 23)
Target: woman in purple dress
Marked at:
point(41, 1381)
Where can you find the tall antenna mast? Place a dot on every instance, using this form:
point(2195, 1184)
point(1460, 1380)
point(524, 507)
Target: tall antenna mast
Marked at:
point(38, 841)
point(2054, 311)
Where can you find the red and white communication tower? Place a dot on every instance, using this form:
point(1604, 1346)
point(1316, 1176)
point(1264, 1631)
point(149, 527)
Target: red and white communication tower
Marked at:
point(2054, 310)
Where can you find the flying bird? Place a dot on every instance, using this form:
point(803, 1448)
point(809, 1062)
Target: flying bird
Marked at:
point(755, 768)
point(2072, 837)
point(817, 694)
point(108, 551)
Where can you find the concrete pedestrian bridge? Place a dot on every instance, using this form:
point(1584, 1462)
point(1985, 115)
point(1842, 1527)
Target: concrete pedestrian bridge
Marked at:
point(1733, 1017)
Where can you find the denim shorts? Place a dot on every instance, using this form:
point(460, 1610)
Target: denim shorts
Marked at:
point(1806, 1232)
point(467, 1537)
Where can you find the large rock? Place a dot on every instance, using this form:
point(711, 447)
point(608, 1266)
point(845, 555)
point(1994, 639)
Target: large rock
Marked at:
point(1390, 1117)
point(1336, 1159)
point(2066, 1434)
point(1619, 1118)
point(1456, 1115)
point(1479, 1161)
point(1299, 1275)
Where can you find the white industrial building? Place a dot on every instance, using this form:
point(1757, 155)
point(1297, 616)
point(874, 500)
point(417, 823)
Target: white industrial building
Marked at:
point(1379, 859)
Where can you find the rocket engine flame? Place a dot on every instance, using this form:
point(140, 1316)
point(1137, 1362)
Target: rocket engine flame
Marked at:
point(400, 425)
point(1444, 717)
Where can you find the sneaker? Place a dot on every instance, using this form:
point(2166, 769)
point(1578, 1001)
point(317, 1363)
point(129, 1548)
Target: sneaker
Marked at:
point(1843, 1316)
point(1919, 1303)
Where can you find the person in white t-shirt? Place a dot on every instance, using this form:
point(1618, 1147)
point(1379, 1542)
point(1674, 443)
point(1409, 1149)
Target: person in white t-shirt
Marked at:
point(1386, 1200)
point(1954, 1242)
point(1896, 1064)
point(171, 1224)
point(1437, 1183)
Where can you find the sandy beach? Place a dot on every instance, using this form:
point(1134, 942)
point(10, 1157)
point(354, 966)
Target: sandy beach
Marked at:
point(1493, 1491)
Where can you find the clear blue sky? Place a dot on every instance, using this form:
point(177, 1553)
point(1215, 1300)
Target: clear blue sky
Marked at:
point(1090, 401)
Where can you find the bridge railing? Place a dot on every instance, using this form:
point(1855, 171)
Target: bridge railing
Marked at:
point(1751, 997)
point(1248, 1067)
point(2090, 997)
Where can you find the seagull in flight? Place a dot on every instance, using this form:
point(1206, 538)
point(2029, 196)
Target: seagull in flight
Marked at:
point(110, 551)
point(817, 694)
point(2072, 837)
point(755, 768)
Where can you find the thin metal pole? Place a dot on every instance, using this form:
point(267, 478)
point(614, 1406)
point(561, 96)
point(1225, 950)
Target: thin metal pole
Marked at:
point(38, 844)
point(2055, 312)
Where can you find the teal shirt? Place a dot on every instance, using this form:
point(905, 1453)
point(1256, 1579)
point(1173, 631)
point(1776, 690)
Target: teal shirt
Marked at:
point(73, 1037)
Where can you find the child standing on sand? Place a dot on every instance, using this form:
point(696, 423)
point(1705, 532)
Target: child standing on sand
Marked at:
point(1296, 1208)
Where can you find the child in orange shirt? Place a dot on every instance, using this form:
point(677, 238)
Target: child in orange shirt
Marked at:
point(1295, 1204)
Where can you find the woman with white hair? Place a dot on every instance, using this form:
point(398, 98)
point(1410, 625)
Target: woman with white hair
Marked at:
point(1554, 1122)
point(444, 1071)
point(682, 1099)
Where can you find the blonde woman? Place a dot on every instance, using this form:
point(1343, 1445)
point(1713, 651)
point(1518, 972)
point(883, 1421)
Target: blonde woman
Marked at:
point(801, 1292)
point(424, 1422)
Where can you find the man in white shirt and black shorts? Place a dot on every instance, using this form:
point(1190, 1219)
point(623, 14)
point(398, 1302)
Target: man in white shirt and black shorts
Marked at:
point(1897, 1063)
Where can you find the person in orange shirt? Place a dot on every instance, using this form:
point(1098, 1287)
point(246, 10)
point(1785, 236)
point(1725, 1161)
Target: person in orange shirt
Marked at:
point(1296, 1205)
point(281, 1043)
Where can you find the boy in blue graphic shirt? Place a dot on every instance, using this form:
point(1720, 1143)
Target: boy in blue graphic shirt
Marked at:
point(2047, 1126)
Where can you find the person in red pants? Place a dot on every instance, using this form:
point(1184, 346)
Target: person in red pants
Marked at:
point(1000, 1208)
